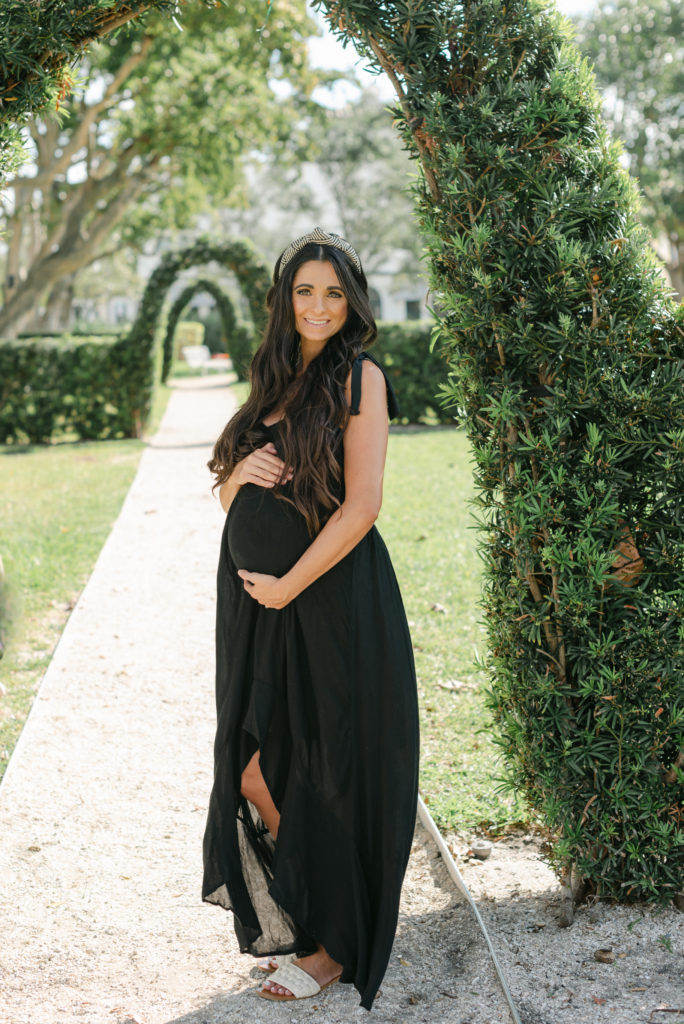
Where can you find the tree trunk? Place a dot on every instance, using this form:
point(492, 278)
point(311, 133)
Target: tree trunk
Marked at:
point(56, 316)
point(17, 314)
point(76, 251)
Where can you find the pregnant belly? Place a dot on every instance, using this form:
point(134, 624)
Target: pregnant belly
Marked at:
point(265, 534)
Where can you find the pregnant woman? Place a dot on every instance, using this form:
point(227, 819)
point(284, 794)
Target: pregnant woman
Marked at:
point(313, 807)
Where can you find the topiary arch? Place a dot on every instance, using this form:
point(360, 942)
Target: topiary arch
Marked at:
point(239, 336)
point(237, 255)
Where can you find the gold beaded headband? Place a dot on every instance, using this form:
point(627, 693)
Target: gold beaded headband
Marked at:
point(322, 238)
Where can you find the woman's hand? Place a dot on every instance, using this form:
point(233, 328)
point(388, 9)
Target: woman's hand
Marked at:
point(261, 467)
point(271, 591)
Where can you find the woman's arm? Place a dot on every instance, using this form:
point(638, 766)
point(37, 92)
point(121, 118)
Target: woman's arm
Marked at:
point(262, 467)
point(228, 491)
point(365, 447)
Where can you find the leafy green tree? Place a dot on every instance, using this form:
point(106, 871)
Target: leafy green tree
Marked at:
point(638, 58)
point(161, 121)
point(368, 173)
point(567, 367)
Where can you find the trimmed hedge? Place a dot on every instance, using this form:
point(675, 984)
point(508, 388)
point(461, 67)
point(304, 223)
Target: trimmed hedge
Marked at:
point(91, 385)
point(416, 371)
point(237, 255)
point(53, 385)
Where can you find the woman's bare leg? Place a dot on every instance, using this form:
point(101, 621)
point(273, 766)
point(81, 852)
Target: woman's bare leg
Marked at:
point(319, 965)
point(254, 788)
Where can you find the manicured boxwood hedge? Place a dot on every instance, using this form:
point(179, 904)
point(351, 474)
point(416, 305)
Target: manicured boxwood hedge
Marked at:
point(417, 373)
point(90, 385)
point(97, 386)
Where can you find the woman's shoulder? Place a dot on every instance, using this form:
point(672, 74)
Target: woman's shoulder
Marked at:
point(366, 375)
point(366, 367)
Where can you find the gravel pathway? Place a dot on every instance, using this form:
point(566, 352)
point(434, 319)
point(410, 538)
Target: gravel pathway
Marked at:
point(103, 805)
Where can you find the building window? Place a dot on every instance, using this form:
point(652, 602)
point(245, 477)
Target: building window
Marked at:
point(412, 309)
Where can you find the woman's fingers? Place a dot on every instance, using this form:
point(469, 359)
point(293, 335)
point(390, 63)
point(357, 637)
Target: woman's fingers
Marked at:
point(265, 468)
point(270, 473)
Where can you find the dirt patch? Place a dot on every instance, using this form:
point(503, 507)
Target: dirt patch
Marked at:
point(553, 972)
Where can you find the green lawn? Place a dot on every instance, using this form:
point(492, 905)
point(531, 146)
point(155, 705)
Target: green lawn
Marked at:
point(427, 525)
point(57, 506)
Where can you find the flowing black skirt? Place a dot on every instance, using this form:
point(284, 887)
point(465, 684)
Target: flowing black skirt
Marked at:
point(325, 689)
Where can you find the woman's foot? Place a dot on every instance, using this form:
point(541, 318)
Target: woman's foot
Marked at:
point(322, 968)
point(267, 964)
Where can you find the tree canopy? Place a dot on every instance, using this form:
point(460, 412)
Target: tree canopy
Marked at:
point(39, 44)
point(353, 175)
point(153, 133)
point(637, 50)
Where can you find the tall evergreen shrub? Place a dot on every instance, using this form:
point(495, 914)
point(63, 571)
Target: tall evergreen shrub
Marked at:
point(566, 359)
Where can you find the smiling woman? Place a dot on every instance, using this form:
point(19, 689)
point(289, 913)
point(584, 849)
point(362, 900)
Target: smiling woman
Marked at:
point(316, 757)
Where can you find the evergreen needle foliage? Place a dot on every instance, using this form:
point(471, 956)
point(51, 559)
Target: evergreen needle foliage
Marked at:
point(566, 365)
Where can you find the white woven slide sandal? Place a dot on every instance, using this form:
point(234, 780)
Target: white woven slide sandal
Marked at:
point(300, 984)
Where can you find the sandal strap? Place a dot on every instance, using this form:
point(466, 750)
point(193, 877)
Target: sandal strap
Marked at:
point(283, 958)
point(265, 962)
point(300, 984)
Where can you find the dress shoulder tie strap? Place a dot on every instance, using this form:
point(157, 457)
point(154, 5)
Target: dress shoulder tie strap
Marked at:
point(392, 403)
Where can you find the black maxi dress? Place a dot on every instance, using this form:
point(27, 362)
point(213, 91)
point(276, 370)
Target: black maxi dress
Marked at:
point(325, 688)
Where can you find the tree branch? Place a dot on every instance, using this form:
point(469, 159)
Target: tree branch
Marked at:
point(76, 251)
point(104, 24)
point(389, 71)
point(52, 168)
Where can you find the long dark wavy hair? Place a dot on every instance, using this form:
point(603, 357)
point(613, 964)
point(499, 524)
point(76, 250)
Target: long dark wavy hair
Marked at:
point(315, 409)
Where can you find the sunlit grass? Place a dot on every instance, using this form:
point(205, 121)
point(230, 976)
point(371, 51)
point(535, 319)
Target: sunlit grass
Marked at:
point(427, 524)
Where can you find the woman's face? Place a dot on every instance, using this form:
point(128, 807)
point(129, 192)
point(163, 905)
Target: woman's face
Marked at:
point(320, 305)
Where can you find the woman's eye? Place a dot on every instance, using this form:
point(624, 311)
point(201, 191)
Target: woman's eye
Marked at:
point(307, 291)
